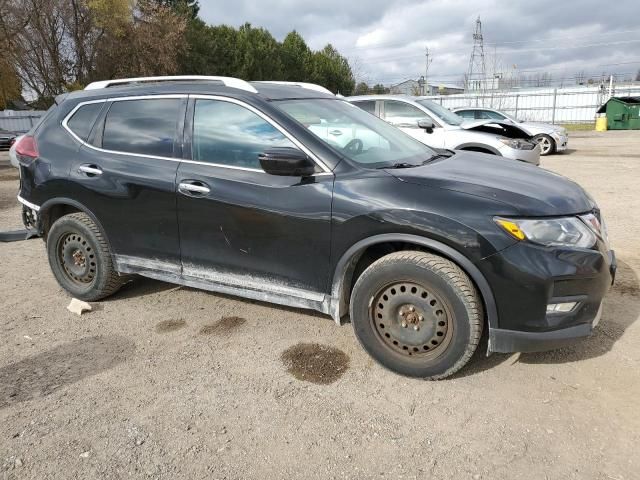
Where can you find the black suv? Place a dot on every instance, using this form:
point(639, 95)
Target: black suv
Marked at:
point(287, 194)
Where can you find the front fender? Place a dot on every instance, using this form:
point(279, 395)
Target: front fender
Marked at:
point(345, 267)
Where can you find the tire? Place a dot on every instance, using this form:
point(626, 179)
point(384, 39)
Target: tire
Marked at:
point(80, 259)
point(547, 144)
point(434, 340)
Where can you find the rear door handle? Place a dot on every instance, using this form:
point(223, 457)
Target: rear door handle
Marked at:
point(92, 170)
point(193, 188)
point(336, 133)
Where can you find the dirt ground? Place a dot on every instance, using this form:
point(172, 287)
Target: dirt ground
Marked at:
point(174, 383)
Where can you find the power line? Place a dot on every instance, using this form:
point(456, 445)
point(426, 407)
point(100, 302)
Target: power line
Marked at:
point(553, 39)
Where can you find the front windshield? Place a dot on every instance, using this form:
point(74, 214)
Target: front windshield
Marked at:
point(447, 116)
point(360, 136)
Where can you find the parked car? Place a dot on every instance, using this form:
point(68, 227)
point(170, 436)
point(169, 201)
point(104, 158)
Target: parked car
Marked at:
point(438, 127)
point(242, 188)
point(7, 139)
point(552, 138)
point(13, 158)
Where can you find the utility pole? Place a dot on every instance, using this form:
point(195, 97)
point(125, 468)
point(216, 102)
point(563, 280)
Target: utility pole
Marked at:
point(428, 60)
point(476, 75)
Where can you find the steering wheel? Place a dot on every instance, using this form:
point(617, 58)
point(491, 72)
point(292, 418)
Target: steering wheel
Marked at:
point(354, 146)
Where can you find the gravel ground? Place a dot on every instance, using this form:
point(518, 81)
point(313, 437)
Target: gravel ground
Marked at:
point(166, 382)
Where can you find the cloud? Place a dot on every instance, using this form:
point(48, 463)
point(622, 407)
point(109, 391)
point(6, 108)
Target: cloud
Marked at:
point(386, 40)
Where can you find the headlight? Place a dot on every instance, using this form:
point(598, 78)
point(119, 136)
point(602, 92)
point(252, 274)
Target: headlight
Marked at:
point(564, 232)
point(517, 143)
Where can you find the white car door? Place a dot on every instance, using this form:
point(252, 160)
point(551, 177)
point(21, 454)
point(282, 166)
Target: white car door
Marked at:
point(406, 116)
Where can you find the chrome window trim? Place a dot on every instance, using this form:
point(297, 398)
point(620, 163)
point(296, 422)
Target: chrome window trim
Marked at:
point(270, 121)
point(27, 203)
point(323, 167)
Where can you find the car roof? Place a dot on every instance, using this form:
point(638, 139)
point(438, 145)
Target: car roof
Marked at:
point(400, 96)
point(266, 91)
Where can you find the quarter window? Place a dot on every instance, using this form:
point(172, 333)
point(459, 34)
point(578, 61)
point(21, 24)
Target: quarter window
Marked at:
point(229, 134)
point(82, 121)
point(146, 126)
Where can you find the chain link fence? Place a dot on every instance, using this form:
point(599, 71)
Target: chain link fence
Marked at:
point(573, 105)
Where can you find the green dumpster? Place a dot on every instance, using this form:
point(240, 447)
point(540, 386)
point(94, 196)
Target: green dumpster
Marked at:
point(623, 113)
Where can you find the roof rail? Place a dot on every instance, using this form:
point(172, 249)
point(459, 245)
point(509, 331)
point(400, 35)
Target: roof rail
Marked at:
point(227, 81)
point(308, 86)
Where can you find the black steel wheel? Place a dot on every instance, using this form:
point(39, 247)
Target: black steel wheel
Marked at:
point(417, 314)
point(80, 259)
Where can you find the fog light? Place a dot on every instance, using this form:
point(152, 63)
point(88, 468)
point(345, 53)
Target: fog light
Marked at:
point(561, 307)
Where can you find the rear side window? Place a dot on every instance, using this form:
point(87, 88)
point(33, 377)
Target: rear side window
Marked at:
point(367, 106)
point(228, 134)
point(82, 121)
point(146, 126)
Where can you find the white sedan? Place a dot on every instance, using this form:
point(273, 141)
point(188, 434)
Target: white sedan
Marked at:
point(551, 138)
point(12, 153)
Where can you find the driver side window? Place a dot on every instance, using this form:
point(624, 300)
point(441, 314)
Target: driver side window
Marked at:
point(488, 115)
point(402, 114)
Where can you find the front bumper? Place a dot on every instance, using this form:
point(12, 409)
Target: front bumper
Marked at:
point(525, 278)
point(562, 142)
point(528, 156)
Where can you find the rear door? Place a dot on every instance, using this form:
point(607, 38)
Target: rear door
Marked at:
point(125, 174)
point(239, 225)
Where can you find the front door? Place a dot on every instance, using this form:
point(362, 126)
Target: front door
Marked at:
point(406, 116)
point(240, 226)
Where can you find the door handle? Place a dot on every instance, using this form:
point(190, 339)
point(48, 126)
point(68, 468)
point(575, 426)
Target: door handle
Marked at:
point(190, 187)
point(336, 133)
point(90, 169)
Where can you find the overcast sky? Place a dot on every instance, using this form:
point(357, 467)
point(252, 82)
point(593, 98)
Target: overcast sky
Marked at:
point(385, 39)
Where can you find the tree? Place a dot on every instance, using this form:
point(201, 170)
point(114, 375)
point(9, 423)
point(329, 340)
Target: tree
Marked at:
point(380, 89)
point(296, 58)
point(59, 45)
point(258, 54)
point(210, 50)
point(186, 8)
point(331, 70)
point(362, 89)
point(10, 86)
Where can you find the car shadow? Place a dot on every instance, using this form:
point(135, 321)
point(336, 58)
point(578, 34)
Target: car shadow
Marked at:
point(138, 286)
point(42, 374)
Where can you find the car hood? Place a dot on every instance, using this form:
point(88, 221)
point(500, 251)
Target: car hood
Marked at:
point(506, 128)
point(531, 190)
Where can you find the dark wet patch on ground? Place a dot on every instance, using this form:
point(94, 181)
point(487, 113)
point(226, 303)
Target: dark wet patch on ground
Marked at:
point(223, 326)
point(170, 326)
point(315, 363)
point(42, 374)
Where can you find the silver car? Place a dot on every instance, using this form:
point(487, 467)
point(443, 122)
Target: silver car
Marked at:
point(438, 127)
point(552, 138)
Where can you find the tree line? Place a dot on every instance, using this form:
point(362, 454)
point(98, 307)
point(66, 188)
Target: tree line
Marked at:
point(55, 46)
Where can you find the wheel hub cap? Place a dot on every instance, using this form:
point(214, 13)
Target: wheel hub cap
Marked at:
point(411, 320)
point(77, 258)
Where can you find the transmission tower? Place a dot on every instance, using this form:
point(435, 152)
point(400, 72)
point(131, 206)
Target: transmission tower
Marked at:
point(476, 74)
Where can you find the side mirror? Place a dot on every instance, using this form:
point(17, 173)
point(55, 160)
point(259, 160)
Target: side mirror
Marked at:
point(286, 161)
point(426, 124)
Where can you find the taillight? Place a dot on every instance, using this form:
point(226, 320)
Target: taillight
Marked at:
point(27, 147)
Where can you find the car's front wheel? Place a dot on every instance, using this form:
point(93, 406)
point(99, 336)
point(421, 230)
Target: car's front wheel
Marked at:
point(417, 314)
point(80, 259)
point(547, 144)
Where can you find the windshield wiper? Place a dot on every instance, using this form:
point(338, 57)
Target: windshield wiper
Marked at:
point(400, 165)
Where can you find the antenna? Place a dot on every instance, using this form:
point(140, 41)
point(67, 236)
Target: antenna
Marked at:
point(427, 63)
point(476, 75)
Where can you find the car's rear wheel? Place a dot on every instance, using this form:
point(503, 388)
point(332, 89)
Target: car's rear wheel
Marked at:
point(417, 314)
point(547, 144)
point(80, 259)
